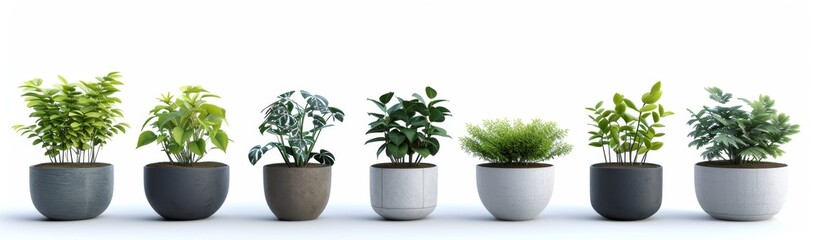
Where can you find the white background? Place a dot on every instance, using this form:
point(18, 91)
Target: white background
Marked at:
point(525, 59)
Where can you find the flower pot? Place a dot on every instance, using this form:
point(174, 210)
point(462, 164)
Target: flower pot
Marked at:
point(515, 194)
point(186, 192)
point(71, 191)
point(741, 194)
point(297, 193)
point(626, 193)
point(403, 193)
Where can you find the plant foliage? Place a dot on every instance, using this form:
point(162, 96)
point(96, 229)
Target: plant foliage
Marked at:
point(183, 126)
point(623, 137)
point(500, 141)
point(297, 128)
point(74, 120)
point(733, 134)
point(407, 129)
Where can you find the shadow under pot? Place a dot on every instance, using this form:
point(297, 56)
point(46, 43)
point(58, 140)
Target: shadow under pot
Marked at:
point(747, 192)
point(514, 193)
point(71, 191)
point(626, 192)
point(297, 193)
point(186, 192)
point(403, 191)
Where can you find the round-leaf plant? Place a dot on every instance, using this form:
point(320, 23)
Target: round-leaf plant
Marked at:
point(74, 120)
point(732, 134)
point(623, 137)
point(297, 128)
point(517, 143)
point(182, 126)
point(407, 129)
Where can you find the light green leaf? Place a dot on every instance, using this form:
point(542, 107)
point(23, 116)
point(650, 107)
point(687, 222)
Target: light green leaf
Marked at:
point(145, 138)
point(178, 135)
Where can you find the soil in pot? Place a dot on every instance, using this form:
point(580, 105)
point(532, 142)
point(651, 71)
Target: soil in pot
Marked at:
point(626, 192)
point(297, 193)
point(71, 191)
point(186, 192)
point(403, 191)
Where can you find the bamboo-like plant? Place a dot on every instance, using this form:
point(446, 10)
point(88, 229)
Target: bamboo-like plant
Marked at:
point(623, 137)
point(297, 127)
point(74, 120)
point(732, 134)
point(407, 129)
point(516, 143)
point(182, 126)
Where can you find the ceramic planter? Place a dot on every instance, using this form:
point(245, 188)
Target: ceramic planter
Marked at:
point(297, 193)
point(515, 194)
point(741, 194)
point(185, 192)
point(626, 193)
point(76, 192)
point(403, 193)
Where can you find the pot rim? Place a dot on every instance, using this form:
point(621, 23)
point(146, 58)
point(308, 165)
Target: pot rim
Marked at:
point(619, 168)
point(283, 166)
point(536, 166)
point(784, 166)
point(183, 167)
point(39, 166)
point(420, 166)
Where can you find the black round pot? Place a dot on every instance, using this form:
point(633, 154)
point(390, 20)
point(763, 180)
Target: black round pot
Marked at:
point(186, 192)
point(627, 193)
point(71, 191)
point(297, 193)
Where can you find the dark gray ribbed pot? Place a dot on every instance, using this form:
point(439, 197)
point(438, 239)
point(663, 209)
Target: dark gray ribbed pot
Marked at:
point(297, 193)
point(184, 192)
point(71, 193)
point(626, 193)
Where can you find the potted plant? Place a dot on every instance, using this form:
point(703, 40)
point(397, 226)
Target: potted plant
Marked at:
point(74, 120)
point(514, 185)
point(184, 188)
point(624, 186)
point(297, 190)
point(734, 183)
point(406, 188)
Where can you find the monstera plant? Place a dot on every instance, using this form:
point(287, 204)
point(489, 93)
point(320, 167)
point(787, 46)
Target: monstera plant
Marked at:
point(297, 190)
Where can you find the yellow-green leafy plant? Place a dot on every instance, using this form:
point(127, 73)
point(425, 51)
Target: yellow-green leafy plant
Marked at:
point(74, 120)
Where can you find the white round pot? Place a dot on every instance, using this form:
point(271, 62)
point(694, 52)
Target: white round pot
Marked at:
point(515, 194)
point(740, 194)
point(403, 193)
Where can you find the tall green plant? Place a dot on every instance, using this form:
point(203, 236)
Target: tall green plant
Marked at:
point(500, 141)
point(623, 137)
point(406, 128)
point(74, 120)
point(732, 134)
point(297, 128)
point(182, 126)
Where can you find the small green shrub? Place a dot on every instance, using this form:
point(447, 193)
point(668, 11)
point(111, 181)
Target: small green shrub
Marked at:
point(500, 141)
point(74, 120)
point(732, 134)
point(184, 125)
point(297, 128)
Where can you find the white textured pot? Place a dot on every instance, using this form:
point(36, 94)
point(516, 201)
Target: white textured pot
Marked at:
point(515, 194)
point(741, 194)
point(403, 193)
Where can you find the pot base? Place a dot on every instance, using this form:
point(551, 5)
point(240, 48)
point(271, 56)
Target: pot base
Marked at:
point(401, 214)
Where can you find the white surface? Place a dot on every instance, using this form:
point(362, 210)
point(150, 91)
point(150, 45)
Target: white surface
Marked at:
point(515, 194)
point(526, 59)
point(404, 194)
point(741, 194)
